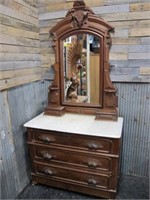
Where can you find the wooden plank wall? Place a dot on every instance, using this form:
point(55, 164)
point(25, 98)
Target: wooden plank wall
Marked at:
point(17, 106)
point(19, 43)
point(130, 52)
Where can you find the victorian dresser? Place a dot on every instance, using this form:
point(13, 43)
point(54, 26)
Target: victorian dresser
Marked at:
point(76, 152)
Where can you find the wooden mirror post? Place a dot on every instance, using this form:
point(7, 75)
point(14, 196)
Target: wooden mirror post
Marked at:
point(81, 19)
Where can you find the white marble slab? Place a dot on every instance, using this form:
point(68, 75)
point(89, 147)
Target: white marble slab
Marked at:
point(79, 124)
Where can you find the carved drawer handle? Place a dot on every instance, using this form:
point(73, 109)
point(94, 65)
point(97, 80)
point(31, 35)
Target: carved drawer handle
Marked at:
point(47, 172)
point(92, 164)
point(46, 139)
point(93, 146)
point(92, 182)
point(46, 155)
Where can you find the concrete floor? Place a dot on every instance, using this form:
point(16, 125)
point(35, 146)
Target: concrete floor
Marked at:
point(130, 187)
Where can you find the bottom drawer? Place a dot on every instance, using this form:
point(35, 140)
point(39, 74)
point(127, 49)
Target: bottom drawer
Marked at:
point(72, 175)
point(73, 186)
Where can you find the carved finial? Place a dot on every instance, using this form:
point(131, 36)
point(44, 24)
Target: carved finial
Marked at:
point(79, 3)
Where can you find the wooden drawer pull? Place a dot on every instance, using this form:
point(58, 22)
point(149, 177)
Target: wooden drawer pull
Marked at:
point(93, 146)
point(46, 139)
point(47, 172)
point(92, 164)
point(46, 155)
point(92, 182)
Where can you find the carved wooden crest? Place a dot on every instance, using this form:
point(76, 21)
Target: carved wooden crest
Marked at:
point(79, 14)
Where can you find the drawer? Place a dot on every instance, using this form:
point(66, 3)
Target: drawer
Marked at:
point(86, 160)
point(71, 175)
point(82, 142)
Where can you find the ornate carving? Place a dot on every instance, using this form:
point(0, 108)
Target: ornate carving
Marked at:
point(53, 42)
point(79, 14)
point(108, 40)
point(79, 19)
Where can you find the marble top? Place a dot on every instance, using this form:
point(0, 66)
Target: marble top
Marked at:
point(79, 124)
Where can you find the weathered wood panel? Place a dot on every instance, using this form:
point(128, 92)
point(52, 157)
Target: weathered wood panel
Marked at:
point(9, 65)
point(145, 40)
point(116, 2)
point(18, 49)
point(139, 6)
point(20, 80)
point(20, 57)
point(126, 16)
point(48, 6)
point(144, 70)
point(131, 19)
point(136, 32)
point(131, 24)
point(142, 56)
point(18, 15)
point(22, 6)
point(107, 16)
point(5, 20)
point(18, 33)
point(21, 72)
point(19, 43)
point(130, 48)
point(7, 39)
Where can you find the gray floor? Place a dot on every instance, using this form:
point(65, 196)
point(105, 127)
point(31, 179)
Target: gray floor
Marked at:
point(129, 188)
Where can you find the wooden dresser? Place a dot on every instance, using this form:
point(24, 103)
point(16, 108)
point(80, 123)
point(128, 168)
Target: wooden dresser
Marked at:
point(76, 152)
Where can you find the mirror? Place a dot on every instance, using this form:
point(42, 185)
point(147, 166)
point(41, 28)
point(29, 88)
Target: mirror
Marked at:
point(81, 69)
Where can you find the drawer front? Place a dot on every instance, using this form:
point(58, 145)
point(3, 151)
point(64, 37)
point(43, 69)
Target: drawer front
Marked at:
point(90, 143)
point(67, 174)
point(88, 161)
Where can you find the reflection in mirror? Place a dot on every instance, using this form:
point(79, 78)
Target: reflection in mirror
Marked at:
point(81, 61)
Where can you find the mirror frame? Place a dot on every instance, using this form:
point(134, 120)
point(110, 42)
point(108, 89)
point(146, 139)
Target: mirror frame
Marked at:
point(100, 73)
point(82, 19)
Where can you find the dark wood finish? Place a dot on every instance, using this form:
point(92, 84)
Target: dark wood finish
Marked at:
point(77, 141)
point(76, 162)
point(81, 19)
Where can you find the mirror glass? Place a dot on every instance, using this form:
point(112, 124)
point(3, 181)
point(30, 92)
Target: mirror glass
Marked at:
point(81, 69)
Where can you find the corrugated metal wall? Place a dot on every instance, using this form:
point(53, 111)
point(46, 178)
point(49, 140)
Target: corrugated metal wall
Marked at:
point(17, 106)
point(20, 104)
point(134, 107)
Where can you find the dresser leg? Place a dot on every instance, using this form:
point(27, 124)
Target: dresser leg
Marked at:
point(34, 183)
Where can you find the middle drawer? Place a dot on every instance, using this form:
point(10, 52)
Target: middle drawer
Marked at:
point(71, 157)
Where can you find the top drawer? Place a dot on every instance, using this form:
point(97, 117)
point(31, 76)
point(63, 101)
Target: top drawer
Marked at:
point(82, 142)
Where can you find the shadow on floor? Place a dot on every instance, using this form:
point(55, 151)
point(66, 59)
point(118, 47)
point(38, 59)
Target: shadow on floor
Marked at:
point(130, 187)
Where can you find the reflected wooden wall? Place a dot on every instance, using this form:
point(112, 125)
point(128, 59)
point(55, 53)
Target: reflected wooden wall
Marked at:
point(94, 78)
